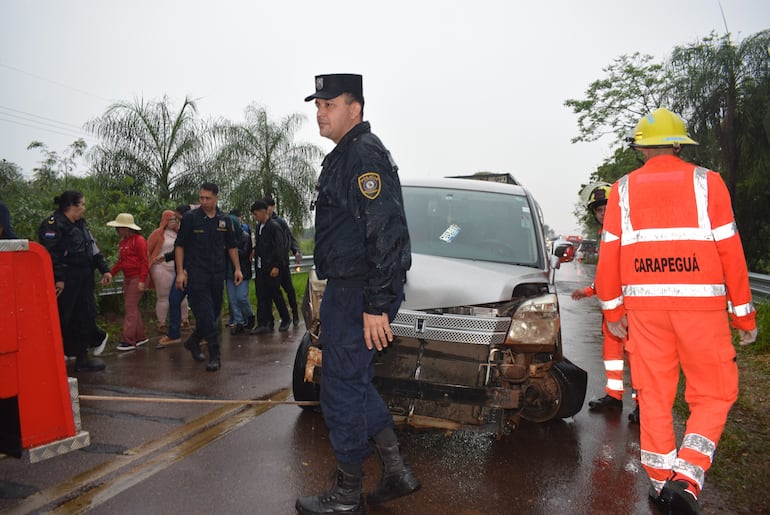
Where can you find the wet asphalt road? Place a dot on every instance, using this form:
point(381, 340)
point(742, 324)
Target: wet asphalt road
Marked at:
point(151, 457)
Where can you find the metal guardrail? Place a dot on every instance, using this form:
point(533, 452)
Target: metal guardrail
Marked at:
point(760, 285)
point(116, 287)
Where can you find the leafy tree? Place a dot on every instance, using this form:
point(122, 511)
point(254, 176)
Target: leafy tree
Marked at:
point(53, 166)
point(714, 81)
point(150, 143)
point(259, 157)
point(634, 86)
point(722, 90)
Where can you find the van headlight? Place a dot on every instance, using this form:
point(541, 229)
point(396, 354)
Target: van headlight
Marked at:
point(535, 323)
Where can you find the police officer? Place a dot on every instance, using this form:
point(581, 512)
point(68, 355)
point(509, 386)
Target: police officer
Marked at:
point(362, 248)
point(205, 237)
point(74, 255)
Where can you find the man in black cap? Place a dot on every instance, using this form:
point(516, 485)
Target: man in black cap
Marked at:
point(362, 247)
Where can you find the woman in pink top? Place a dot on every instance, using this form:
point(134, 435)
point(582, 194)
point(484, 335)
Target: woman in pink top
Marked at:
point(132, 261)
point(162, 273)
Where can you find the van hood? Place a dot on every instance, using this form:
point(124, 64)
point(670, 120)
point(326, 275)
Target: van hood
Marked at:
point(439, 282)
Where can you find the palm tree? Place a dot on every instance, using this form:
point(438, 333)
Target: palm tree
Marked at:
point(149, 143)
point(258, 158)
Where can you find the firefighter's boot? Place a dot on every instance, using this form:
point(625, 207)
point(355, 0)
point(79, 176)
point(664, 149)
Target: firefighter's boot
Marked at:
point(344, 497)
point(397, 478)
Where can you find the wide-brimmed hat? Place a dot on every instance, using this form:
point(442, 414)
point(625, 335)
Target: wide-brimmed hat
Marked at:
point(124, 220)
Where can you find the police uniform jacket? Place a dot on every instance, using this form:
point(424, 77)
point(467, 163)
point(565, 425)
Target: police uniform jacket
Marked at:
point(204, 241)
point(70, 244)
point(361, 232)
point(270, 246)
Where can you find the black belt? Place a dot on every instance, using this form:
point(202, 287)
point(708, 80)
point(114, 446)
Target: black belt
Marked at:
point(347, 283)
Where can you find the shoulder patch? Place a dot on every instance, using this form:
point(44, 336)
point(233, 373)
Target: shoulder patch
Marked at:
point(369, 183)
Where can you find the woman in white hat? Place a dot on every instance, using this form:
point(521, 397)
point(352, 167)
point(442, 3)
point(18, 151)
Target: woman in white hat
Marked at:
point(132, 261)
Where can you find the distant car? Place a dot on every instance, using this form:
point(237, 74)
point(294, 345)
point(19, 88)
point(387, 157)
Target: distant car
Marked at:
point(478, 341)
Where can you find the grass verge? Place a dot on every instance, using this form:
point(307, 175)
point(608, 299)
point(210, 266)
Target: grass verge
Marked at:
point(741, 469)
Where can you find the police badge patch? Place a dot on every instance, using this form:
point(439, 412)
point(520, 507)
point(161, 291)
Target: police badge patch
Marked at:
point(369, 184)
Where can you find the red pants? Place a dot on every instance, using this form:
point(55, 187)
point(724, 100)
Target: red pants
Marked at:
point(700, 341)
point(133, 327)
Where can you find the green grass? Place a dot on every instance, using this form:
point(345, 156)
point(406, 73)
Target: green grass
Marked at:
point(741, 468)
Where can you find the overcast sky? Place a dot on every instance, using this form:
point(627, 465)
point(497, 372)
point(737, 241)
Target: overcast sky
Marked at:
point(451, 87)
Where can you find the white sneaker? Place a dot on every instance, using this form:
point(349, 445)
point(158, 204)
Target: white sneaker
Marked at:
point(98, 350)
point(142, 342)
point(126, 346)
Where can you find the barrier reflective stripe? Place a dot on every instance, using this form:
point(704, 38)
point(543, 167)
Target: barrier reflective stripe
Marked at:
point(673, 290)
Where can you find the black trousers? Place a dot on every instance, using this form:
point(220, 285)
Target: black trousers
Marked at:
point(288, 287)
point(269, 292)
point(77, 312)
point(204, 291)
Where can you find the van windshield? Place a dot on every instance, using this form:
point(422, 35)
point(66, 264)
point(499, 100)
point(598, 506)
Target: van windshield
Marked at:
point(476, 225)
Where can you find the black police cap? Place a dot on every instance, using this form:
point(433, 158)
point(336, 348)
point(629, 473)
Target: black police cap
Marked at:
point(335, 84)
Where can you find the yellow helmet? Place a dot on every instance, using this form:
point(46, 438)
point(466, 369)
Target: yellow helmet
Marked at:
point(598, 196)
point(661, 128)
point(595, 194)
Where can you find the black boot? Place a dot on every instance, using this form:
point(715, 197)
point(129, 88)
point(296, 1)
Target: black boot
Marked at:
point(344, 497)
point(634, 415)
point(214, 363)
point(85, 364)
point(193, 345)
point(677, 500)
point(605, 403)
point(397, 478)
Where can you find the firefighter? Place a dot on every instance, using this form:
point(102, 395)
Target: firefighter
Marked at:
point(670, 272)
point(612, 346)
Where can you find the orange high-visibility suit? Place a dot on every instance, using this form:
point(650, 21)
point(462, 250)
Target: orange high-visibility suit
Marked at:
point(612, 355)
point(672, 260)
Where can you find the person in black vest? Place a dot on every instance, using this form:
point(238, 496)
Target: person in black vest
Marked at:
point(74, 255)
point(204, 235)
point(270, 256)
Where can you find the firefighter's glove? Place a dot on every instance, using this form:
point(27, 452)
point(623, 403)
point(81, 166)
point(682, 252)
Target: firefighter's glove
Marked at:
point(619, 328)
point(747, 337)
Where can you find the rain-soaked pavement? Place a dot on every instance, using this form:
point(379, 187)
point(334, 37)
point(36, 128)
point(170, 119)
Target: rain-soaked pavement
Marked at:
point(163, 457)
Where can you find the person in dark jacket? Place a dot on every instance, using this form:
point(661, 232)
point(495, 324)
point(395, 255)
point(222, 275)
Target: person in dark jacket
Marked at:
point(75, 255)
point(6, 231)
point(242, 316)
point(362, 248)
point(292, 247)
point(270, 255)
